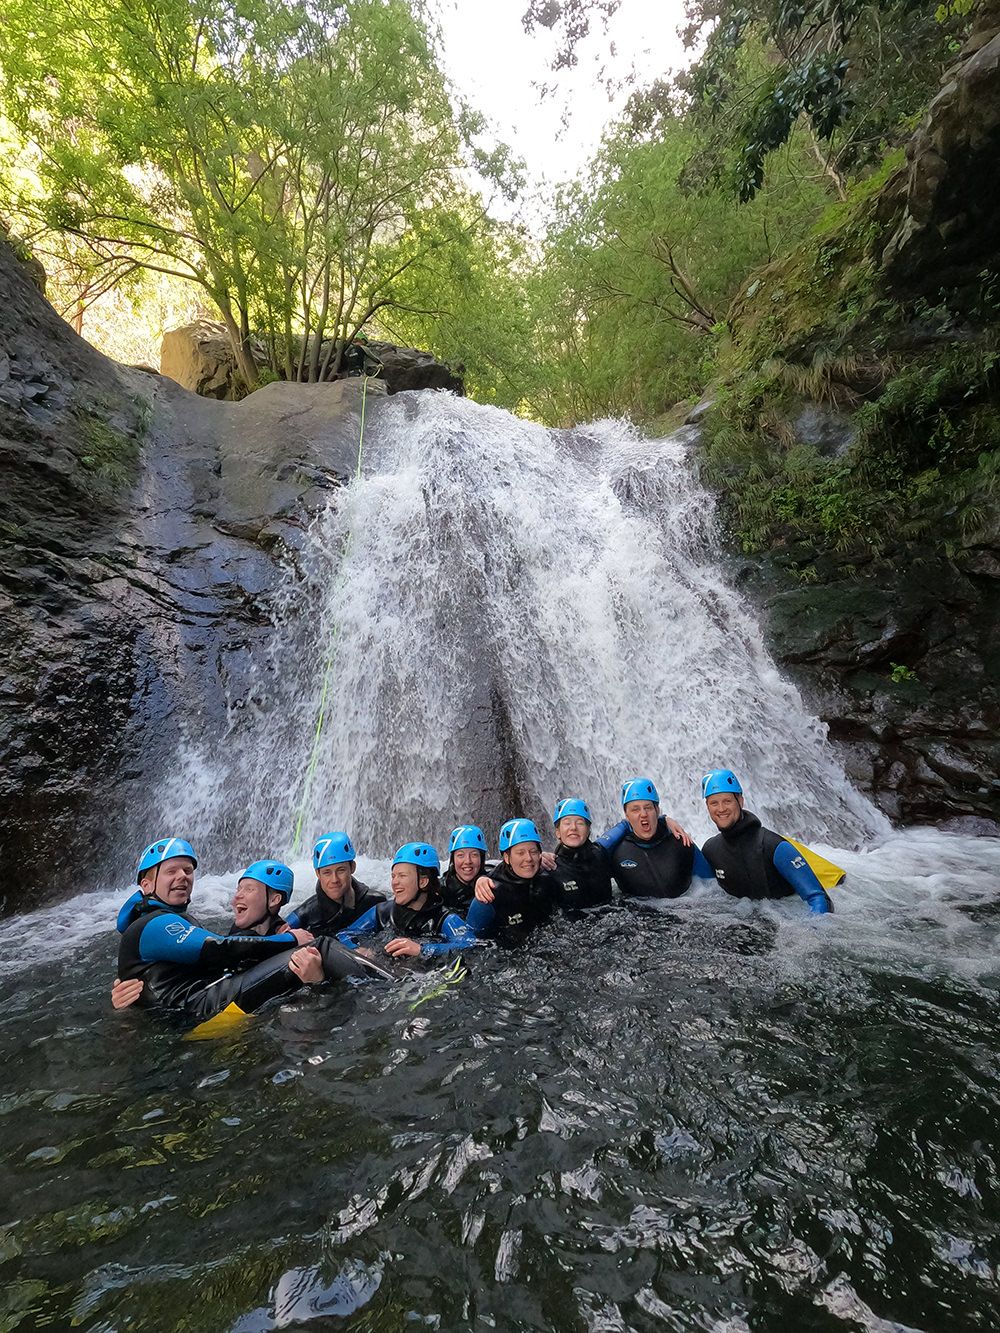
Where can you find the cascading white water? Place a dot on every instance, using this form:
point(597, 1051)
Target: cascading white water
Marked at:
point(515, 614)
point(519, 614)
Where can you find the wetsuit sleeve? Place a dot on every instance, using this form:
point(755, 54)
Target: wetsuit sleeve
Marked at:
point(125, 917)
point(610, 840)
point(793, 867)
point(457, 935)
point(700, 868)
point(292, 921)
point(365, 925)
point(480, 917)
point(172, 939)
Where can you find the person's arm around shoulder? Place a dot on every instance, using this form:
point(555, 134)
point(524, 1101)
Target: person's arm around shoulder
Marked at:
point(480, 916)
point(793, 867)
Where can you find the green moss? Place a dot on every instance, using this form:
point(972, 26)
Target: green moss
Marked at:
point(922, 383)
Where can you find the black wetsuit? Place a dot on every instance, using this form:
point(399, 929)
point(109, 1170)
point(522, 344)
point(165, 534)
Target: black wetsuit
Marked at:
point(519, 906)
point(584, 875)
point(324, 916)
point(455, 894)
point(658, 868)
point(183, 966)
point(751, 861)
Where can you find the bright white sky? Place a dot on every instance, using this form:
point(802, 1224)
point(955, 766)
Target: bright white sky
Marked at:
point(501, 70)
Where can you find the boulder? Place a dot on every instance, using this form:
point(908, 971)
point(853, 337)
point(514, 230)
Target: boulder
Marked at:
point(200, 357)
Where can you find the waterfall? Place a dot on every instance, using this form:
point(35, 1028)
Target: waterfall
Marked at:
point(512, 614)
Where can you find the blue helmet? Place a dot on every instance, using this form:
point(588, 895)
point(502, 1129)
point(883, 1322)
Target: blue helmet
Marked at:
point(467, 836)
point(419, 854)
point(333, 849)
point(639, 789)
point(720, 780)
point(164, 850)
point(275, 877)
point(516, 831)
point(572, 805)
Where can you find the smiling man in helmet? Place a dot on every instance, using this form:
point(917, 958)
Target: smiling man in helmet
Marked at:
point(340, 899)
point(750, 861)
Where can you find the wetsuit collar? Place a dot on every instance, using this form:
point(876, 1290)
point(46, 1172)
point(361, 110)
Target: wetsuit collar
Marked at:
point(746, 823)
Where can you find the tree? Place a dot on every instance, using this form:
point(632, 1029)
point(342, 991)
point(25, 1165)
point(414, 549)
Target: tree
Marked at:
point(286, 158)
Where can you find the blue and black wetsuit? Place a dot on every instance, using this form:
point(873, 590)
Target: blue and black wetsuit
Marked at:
point(657, 867)
point(751, 861)
point(325, 916)
point(584, 875)
point(434, 919)
point(519, 906)
point(185, 967)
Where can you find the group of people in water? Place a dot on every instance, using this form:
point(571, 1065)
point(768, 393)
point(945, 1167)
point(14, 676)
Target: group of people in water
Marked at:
point(167, 960)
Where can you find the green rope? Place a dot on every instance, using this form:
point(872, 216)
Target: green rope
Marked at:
point(331, 655)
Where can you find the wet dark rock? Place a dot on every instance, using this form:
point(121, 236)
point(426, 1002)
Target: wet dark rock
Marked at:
point(901, 659)
point(142, 531)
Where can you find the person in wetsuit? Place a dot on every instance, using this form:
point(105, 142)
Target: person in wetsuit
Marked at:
point(466, 862)
point(340, 899)
point(647, 859)
point(582, 866)
point(748, 860)
point(184, 967)
point(424, 924)
point(518, 896)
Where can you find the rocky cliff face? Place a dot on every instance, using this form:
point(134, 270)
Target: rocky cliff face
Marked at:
point(141, 532)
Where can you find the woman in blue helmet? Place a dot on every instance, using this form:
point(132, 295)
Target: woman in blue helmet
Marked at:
point(466, 862)
point(424, 925)
point(182, 966)
point(751, 861)
point(582, 866)
point(519, 895)
point(339, 898)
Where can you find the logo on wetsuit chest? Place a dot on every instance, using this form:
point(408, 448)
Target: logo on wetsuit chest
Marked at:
point(515, 919)
point(720, 875)
point(630, 865)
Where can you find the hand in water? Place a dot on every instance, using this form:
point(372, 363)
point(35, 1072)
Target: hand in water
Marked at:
point(125, 993)
point(401, 947)
point(548, 860)
point(307, 964)
point(678, 830)
point(302, 936)
point(484, 889)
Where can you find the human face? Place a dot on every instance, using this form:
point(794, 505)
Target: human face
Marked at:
point(642, 817)
point(171, 881)
point(724, 809)
point(572, 830)
point(525, 859)
point(251, 903)
point(407, 883)
point(467, 863)
point(335, 881)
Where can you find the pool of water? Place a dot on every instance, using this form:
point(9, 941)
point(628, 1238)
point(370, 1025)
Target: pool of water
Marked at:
point(712, 1117)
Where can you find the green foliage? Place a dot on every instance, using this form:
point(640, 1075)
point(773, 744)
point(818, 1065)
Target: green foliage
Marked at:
point(290, 160)
point(108, 454)
point(900, 675)
point(637, 273)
